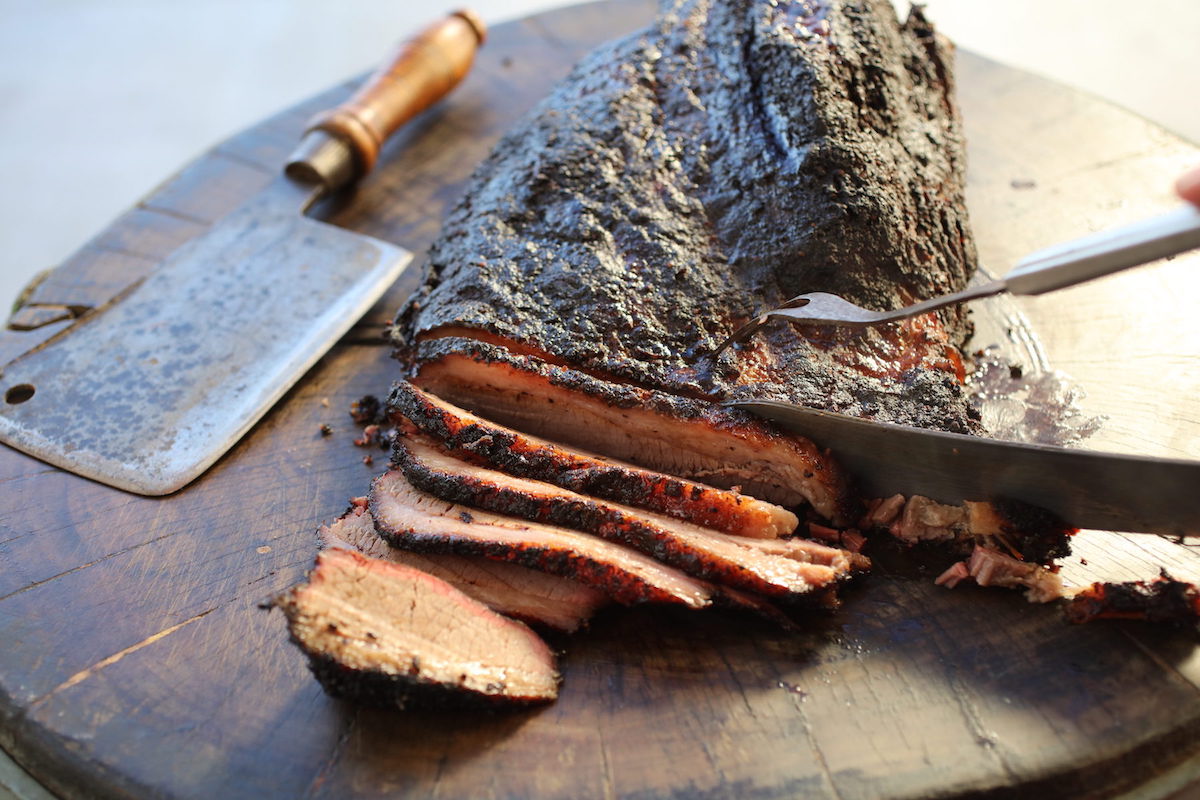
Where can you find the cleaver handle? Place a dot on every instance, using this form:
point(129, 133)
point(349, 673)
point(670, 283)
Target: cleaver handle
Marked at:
point(342, 145)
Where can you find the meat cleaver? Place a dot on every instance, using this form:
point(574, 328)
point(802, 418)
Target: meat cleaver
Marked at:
point(145, 393)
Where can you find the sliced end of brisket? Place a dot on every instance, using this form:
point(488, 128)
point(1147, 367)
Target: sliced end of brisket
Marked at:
point(1030, 534)
point(483, 442)
point(390, 635)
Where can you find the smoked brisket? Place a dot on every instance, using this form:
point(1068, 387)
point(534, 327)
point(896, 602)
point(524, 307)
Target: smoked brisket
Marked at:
point(697, 172)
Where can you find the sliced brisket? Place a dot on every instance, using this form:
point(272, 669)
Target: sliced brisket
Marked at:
point(389, 635)
point(689, 438)
point(702, 552)
point(483, 442)
point(509, 589)
point(413, 520)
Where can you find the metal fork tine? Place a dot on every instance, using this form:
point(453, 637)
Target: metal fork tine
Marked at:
point(750, 328)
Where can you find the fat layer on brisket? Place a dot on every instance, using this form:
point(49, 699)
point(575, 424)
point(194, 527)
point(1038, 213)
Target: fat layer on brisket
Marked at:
point(414, 520)
point(680, 436)
point(487, 443)
point(702, 552)
point(387, 634)
point(508, 589)
point(681, 180)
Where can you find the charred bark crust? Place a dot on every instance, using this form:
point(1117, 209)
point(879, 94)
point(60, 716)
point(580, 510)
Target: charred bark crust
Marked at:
point(729, 156)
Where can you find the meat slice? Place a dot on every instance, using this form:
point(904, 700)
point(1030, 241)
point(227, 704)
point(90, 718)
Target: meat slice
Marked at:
point(508, 589)
point(389, 635)
point(684, 179)
point(486, 443)
point(413, 520)
point(702, 552)
point(679, 436)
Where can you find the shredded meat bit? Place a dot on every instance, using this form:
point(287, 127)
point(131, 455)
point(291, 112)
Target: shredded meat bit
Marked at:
point(1027, 533)
point(992, 568)
point(882, 513)
point(955, 574)
point(923, 520)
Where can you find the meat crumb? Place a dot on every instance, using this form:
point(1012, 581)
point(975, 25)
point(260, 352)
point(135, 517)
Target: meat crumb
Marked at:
point(367, 410)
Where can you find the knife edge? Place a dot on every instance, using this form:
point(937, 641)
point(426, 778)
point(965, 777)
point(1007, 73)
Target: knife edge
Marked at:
point(1087, 489)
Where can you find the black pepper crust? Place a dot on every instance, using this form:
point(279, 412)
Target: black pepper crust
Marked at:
point(731, 155)
point(381, 689)
point(1038, 535)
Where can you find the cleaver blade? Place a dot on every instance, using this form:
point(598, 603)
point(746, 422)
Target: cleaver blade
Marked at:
point(148, 391)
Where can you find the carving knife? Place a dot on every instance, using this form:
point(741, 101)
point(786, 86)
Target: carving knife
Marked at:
point(148, 391)
point(1087, 489)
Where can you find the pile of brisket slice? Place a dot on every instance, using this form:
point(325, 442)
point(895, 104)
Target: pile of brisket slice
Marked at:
point(417, 588)
point(564, 445)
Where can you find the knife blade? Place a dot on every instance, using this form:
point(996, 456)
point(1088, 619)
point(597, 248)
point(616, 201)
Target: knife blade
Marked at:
point(1087, 489)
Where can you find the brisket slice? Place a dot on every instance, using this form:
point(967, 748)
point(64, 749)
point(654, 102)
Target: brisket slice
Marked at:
point(694, 439)
point(702, 552)
point(485, 443)
point(682, 180)
point(389, 635)
point(508, 589)
point(413, 520)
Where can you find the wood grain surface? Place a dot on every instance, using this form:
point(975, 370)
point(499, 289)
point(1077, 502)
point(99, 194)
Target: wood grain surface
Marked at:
point(139, 664)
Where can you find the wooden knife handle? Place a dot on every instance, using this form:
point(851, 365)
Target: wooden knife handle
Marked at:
point(342, 145)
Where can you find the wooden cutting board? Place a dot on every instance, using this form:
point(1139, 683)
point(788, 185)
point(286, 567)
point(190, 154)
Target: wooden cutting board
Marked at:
point(138, 663)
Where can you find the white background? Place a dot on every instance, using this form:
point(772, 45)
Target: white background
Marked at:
point(100, 101)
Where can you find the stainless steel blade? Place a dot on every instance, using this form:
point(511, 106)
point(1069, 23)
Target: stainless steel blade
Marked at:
point(1102, 491)
point(148, 392)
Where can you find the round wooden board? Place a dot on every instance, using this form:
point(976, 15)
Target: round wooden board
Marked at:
point(138, 663)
